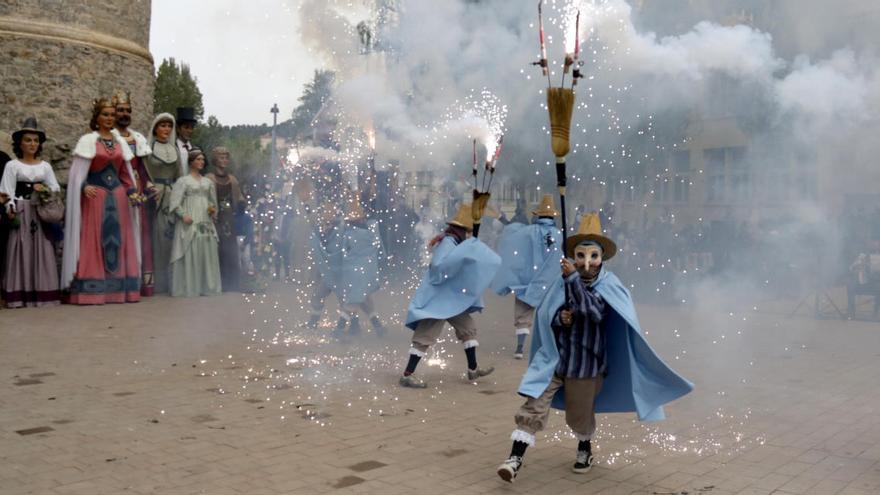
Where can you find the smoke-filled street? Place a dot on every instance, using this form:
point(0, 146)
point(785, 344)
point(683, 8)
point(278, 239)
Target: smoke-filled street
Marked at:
point(463, 246)
point(234, 394)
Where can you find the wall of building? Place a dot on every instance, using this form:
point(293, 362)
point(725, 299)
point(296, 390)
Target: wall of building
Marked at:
point(57, 56)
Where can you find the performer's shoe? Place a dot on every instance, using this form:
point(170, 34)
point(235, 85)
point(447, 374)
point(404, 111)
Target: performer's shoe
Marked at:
point(509, 468)
point(354, 326)
point(477, 373)
point(412, 382)
point(378, 327)
point(584, 460)
point(339, 331)
point(518, 353)
point(313, 321)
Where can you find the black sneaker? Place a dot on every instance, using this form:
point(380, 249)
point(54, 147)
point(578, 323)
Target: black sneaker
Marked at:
point(509, 468)
point(354, 326)
point(378, 327)
point(410, 381)
point(479, 372)
point(339, 331)
point(584, 460)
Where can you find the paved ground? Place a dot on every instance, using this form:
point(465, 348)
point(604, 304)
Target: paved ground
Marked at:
point(231, 395)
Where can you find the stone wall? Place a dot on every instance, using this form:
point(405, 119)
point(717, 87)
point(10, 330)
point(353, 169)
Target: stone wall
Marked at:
point(57, 56)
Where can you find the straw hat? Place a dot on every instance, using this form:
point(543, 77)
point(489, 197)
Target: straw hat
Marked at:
point(546, 208)
point(590, 229)
point(463, 217)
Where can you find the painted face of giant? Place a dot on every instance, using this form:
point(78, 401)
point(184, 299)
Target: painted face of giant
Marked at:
point(30, 144)
point(107, 119)
point(588, 260)
point(221, 161)
point(163, 131)
point(123, 115)
point(185, 130)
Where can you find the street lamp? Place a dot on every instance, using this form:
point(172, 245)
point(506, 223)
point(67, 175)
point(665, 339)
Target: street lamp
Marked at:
point(274, 157)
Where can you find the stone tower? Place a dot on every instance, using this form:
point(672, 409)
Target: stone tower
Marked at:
point(57, 56)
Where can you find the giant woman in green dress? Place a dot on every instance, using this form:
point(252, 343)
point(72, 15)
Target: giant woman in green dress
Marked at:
point(195, 265)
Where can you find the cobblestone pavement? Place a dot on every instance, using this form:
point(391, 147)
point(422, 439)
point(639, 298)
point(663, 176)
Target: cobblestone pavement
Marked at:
point(232, 394)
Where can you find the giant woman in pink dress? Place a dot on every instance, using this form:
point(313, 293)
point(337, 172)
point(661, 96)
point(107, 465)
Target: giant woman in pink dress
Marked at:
point(101, 262)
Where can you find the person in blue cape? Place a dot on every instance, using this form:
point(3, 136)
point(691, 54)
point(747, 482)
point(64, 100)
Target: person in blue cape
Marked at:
point(325, 247)
point(461, 269)
point(529, 266)
point(588, 354)
point(358, 276)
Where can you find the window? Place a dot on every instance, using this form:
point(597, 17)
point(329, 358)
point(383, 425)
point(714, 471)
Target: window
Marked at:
point(714, 161)
point(662, 190)
point(682, 188)
point(740, 175)
point(681, 161)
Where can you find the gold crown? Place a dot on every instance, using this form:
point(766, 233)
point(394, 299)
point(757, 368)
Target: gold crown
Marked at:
point(121, 97)
point(100, 103)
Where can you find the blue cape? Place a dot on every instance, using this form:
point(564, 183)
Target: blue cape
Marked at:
point(530, 257)
point(327, 258)
point(359, 275)
point(455, 281)
point(637, 381)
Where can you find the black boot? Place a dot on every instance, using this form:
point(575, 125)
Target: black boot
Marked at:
point(378, 327)
point(339, 331)
point(584, 460)
point(354, 327)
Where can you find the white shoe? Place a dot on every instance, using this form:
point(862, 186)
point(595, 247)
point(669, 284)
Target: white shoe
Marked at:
point(509, 468)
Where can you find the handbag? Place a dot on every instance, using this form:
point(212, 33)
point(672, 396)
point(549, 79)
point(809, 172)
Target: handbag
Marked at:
point(50, 208)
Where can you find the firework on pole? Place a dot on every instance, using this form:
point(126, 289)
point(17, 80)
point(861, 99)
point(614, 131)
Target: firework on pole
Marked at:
point(560, 106)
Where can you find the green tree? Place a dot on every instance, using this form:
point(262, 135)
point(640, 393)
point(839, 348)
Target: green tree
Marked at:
point(248, 159)
point(315, 93)
point(176, 87)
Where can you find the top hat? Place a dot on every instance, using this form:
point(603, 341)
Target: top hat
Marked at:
point(590, 229)
point(463, 217)
point(30, 125)
point(546, 208)
point(186, 114)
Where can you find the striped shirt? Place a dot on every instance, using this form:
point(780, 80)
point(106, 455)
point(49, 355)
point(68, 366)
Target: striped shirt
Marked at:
point(582, 349)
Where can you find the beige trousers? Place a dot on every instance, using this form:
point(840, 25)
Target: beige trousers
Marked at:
point(580, 393)
point(523, 314)
point(428, 331)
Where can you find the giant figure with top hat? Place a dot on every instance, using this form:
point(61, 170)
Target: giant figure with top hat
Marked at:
point(186, 125)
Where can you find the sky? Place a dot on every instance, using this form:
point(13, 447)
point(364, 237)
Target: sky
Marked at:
point(230, 44)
